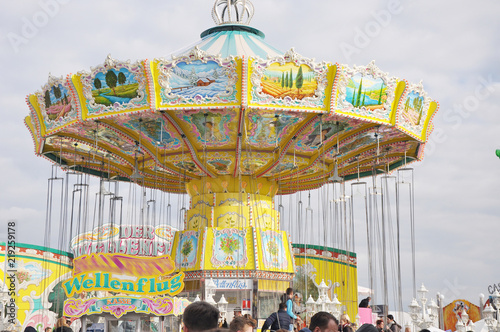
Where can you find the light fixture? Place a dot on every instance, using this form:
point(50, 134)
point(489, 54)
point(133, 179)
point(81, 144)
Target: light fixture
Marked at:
point(423, 315)
point(336, 306)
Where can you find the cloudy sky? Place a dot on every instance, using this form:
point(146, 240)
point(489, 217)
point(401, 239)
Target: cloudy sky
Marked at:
point(451, 45)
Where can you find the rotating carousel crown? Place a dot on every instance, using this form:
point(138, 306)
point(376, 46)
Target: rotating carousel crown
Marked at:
point(232, 121)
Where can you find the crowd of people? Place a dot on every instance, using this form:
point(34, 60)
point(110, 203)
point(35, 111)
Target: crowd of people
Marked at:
point(202, 316)
point(62, 325)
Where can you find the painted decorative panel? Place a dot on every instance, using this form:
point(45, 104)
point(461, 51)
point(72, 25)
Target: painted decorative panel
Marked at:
point(197, 78)
point(229, 247)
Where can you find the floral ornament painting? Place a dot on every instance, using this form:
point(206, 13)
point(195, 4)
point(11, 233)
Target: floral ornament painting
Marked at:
point(274, 251)
point(187, 248)
point(229, 248)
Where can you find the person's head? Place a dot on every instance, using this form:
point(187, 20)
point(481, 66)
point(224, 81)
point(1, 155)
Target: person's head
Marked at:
point(252, 322)
point(425, 330)
point(200, 316)
point(390, 318)
point(29, 329)
point(324, 322)
point(48, 329)
point(282, 306)
point(344, 319)
point(289, 292)
point(240, 324)
point(237, 312)
point(61, 322)
point(380, 324)
point(367, 328)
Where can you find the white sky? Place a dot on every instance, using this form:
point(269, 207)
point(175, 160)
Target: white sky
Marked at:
point(453, 46)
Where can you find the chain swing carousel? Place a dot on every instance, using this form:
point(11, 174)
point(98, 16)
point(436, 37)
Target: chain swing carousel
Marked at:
point(236, 125)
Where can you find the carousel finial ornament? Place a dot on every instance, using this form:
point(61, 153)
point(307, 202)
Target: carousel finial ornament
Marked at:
point(232, 12)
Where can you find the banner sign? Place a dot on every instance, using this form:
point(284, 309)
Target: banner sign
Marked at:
point(124, 264)
point(118, 306)
point(134, 240)
point(235, 284)
point(124, 274)
point(87, 282)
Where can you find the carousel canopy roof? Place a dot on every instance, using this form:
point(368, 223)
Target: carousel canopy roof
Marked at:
point(233, 40)
point(231, 105)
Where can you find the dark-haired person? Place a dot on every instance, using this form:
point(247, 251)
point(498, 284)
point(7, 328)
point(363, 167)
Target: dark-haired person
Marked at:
point(288, 299)
point(391, 323)
point(367, 328)
point(241, 324)
point(278, 320)
point(365, 303)
point(380, 326)
point(200, 316)
point(322, 322)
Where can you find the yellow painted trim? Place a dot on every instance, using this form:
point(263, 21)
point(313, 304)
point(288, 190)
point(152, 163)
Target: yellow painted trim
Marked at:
point(433, 107)
point(398, 93)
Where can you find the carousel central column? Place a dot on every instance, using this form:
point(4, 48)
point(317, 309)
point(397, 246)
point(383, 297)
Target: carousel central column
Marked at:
point(228, 202)
point(232, 237)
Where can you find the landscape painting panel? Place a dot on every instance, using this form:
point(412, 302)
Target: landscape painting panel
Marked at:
point(413, 109)
point(198, 79)
point(57, 102)
point(114, 87)
point(366, 91)
point(289, 80)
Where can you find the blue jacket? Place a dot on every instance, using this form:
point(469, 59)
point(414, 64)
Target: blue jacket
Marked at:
point(272, 323)
point(289, 308)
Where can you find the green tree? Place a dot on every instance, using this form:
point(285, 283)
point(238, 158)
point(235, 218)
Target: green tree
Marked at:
point(380, 94)
point(286, 80)
point(121, 78)
point(282, 79)
point(111, 80)
point(418, 106)
point(299, 80)
point(358, 99)
point(97, 83)
point(66, 101)
point(407, 104)
point(57, 91)
point(290, 81)
point(48, 102)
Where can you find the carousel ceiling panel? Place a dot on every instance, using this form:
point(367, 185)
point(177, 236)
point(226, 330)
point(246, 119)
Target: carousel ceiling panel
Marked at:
point(100, 134)
point(254, 162)
point(268, 129)
point(212, 129)
point(148, 129)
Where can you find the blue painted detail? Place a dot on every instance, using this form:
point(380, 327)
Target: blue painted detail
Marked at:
point(257, 50)
point(230, 46)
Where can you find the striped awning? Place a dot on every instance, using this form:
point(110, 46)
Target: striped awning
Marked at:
point(235, 40)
